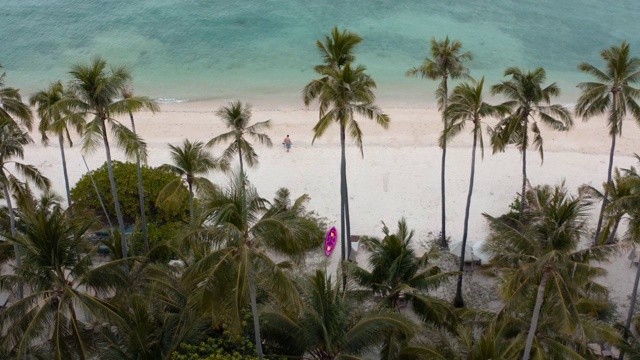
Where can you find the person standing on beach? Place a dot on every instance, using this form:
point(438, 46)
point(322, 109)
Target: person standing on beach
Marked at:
point(287, 143)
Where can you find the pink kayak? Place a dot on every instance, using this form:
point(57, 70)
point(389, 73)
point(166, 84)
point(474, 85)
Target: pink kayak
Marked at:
point(330, 241)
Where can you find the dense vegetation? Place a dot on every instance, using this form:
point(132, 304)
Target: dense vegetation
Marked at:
point(218, 272)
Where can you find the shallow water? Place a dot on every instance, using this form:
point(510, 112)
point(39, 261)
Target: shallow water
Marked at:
point(264, 50)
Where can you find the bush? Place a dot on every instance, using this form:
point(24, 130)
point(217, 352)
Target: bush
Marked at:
point(153, 180)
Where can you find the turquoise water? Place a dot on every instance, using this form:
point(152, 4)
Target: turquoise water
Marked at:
point(265, 49)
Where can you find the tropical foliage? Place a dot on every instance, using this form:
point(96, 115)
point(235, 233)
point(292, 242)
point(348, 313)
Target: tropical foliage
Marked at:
point(208, 288)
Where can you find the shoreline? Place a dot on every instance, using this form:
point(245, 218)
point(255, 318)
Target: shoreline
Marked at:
point(399, 175)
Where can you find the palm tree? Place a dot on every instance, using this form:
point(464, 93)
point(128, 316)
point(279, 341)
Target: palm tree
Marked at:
point(336, 52)
point(619, 191)
point(328, 327)
point(337, 49)
point(236, 259)
point(12, 107)
point(527, 99)
point(466, 106)
point(54, 119)
point(397, 273)
point(447, 61)
point(12, 142)
point(633, 234)
point(95, 90)
point(190, 161)
point(481, 337)
point(237, 116)
point(66, 290)
point(131, 103)
point(544, 267)
point(342, 94)
point(613, 93)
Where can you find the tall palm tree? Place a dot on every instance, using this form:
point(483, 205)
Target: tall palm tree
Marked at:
point(56, 120)
point(337, 49)
point(612, 93)
point(342, 94)
point(12, 107)
point(190, 161)
point(633, 234)
point(547, 275)
point(328, 327)
point(66, 289)
point(243, 232)
point(447, 61)
point(619, 191)
point(237, 116)
point(336, 52)
point(130, 104)
point(95, 94)
point(468, 106)
point(12, 142)
point(527, 99)
point(396, 272)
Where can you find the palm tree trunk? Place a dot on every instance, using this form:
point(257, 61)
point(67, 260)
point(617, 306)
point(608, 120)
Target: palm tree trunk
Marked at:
point(114, 191)
point(143, 215)
point(347, 218)
point(536, 315)
point(606, 189)
point(12, 222)
point(241, 165)
point(64, 168)
point(191, 203)
point(459, 301)
point(524, 169)
point(443, 240)
point(256, 316)
point(612, 236)
point(632, 306)
point(343, 207)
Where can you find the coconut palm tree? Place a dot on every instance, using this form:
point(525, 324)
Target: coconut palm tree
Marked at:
point(66, 290)
point(130, 104)
point(612, 93)
point(12, 107)
point(191, 161)
point(56, 120)
point(446, 61)
point(547, 275)
point(619, 192)
point(236, 258)
point(336, 52)
point(342, 94)
point(12, 142)
point(95, 94)
point(337, 49)
point(633, 234)
point(328, 327)
point(481, 337)
point(527, 100)
point(397, 273)
point(237, 116)
point(467, 106)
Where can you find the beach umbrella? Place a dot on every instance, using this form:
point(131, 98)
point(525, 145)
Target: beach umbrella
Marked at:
point(477, 251)
point(456, 249)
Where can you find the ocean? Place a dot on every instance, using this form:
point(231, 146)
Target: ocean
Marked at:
point(264, 50)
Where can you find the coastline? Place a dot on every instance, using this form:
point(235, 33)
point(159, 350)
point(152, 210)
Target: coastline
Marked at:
point(399, 175)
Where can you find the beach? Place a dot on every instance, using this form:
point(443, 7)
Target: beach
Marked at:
point(399, 175)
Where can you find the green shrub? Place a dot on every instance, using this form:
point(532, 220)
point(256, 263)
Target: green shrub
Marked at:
point(153, 180)
point(217, 349)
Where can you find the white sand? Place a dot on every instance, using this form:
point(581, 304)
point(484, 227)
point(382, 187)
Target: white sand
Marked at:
point(399, 174)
